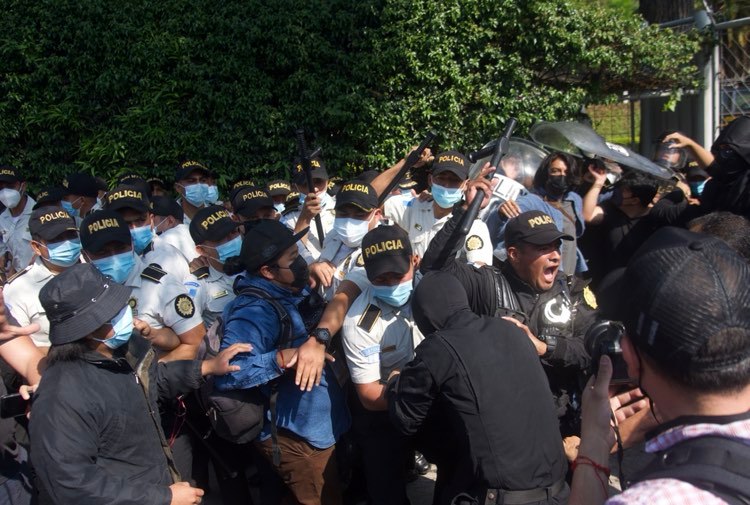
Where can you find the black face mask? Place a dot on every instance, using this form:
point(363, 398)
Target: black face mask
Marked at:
point(300, 271)
point(556, 186)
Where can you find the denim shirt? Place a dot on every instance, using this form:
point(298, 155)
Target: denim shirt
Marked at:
point(319, 416)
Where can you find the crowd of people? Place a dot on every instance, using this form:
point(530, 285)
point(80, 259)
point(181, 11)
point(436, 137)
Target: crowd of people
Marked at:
point(586, 341)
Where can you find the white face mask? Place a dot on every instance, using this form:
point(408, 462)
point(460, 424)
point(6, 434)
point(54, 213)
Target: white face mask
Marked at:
point(351, 231)
point(10, 197)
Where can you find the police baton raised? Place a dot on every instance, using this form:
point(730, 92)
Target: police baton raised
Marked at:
point(305, 158)
point(410, 161)
point(498, 149)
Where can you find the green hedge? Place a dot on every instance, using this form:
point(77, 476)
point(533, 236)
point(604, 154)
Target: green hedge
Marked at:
point(110, 87)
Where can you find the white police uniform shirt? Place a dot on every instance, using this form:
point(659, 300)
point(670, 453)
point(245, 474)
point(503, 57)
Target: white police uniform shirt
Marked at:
point(211, 293)
point(22, 299)
point(169, 258)
point(179, 237)
point(418, 219)
point(377, 337)
point(16, 237)
point(161, 300)
point(311, 251)
point(344, 259)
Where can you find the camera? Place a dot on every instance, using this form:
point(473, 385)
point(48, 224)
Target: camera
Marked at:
point(603, 337)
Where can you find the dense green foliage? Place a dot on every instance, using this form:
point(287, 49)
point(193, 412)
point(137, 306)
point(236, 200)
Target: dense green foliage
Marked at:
point(108, 87)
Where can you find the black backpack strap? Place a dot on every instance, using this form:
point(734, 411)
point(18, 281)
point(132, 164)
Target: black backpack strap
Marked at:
point(287, 335)
point(715, 464)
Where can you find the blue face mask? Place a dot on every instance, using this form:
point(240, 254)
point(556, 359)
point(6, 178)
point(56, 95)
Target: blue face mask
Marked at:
point(395, 296)
point(68, 206)
point(142, 237)
point(280, 207)
point(446, 197)
point(212, 194)
point(117, 266)
point(196, 194)
point(696, 187)
point(65, 253)
point(122, 324)
point(229, 249)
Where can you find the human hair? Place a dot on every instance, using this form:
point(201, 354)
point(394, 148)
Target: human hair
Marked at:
point(643, 186)
point(573, 178)
point(71, 351)
point(731, 228)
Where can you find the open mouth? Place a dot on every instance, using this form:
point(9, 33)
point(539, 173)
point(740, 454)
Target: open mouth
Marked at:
point(550, 273)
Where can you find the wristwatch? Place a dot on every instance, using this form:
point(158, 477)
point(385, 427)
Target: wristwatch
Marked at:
point(322, 335)
point(551, 342)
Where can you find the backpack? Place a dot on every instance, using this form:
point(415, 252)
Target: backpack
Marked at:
point(238, 415)
point(715, 464)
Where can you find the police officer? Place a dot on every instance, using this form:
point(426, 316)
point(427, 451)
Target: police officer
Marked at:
point(191, 183)
point(480, 378)
point(55, 242)
point(252, 203)
point(278, 190)
point(81, 195)
point(49, 196)
point(218, 239)
point(317, 202)
point(133, 205)
point(531, 291)
point(14, 221)
point(167, 215)
point(357, 213)
point(379, 336)
point(158, 298)
point(422, 218)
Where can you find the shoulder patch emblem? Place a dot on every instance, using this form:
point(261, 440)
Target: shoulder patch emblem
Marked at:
point(184, 306)
point(474, 243)
point(360, 261)
point(589, 298)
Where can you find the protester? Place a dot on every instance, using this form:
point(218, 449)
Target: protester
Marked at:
point(479, 374)
point(685, 302)
point(95, 421)
point(310, 410)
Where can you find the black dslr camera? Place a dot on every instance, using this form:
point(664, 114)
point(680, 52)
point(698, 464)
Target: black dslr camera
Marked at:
point(603, 337)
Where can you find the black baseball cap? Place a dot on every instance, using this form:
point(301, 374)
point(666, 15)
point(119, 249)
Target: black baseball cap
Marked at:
point(278, 188)
point(318, 170)
point(386, 249)
point(136, 181)
point(10, 173)
point(187, 167)
point(451, 161)
point(166, 206)
point(212, 223)
point(680, 290)
point(357, 193)
point(534, 227)
point(49, 196)
point(102, 227)
point(79, 301)
point(81, 184)
point(157, 181)
point(266, 241)
point(127, 197)
point(50, 222)
point(247, 201)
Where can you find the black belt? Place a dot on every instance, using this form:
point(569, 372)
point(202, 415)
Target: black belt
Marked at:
point(495, 496)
